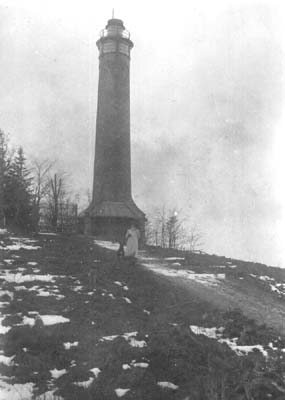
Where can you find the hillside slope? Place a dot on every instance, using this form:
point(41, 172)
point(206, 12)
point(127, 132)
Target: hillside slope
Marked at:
point(77, 323)
point(258, 290)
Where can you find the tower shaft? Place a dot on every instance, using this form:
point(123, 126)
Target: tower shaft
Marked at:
point(112, 168)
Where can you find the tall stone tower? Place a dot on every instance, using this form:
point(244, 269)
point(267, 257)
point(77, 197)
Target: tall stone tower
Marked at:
point(112, 208)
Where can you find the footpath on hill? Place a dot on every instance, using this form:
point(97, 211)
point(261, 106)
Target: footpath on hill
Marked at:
point(258, 292)
point(79, 323)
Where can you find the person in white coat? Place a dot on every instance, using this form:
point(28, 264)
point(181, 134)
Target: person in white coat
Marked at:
point(132, 238)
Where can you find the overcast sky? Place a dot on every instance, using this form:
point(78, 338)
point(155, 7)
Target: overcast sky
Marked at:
point(207, 100)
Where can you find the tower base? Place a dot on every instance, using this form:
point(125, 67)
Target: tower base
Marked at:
point(111, 220)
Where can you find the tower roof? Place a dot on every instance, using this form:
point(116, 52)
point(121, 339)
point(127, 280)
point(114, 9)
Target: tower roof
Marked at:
point(115, 209)
point(115, 21)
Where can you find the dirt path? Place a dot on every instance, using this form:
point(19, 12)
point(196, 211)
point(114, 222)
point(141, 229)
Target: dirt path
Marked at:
point(229, 293)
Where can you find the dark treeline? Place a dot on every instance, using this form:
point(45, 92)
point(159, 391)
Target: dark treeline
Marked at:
point(30, 191)
point(16, 187)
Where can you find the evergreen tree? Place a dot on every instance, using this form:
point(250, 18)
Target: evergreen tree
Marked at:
point(3, 154)
point(18, 195)
point(5, 169)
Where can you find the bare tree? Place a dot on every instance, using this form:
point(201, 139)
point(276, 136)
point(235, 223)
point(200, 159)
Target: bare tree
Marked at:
point(162, 219)
point(157, 225)
point(157, 222)
point(149, 232)
point(166, 228)
point(194, 239)
point(41, 185)
point(56, 196)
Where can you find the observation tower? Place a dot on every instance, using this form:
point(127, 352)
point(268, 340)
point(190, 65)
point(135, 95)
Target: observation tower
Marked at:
point(112, 208)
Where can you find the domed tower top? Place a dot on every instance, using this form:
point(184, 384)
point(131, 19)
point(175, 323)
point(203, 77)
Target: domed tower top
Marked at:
point(114, 38)
point(115, 27)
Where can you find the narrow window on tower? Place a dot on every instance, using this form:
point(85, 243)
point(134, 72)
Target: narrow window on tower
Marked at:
point(124, 48)
point(109, 47)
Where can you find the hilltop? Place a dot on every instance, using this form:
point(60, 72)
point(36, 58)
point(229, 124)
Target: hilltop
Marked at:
point(77, 323)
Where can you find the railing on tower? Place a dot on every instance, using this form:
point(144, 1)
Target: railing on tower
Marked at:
point(113, 31)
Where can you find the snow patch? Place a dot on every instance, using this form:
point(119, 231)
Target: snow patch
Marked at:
point(53, 319)
point(84, 384)
point(43, 293)
point(9, 261)
point(77, 288)
point(3, 329)
point(57, 373)
point(108, 338)
point(7, 293)
point(107, 244)
point(95, 371)
point(135, 364)
point(18, 277)
point(19, 246)
point(127, 300)
point(46, 319)
point(167, 385)
point(140, 364)
point(137, 343)
point(68, 345)
point(121, 392)
point(48, 233)
point(209, 332)
point(265, 278)
point(205, 279)
point(6, 360)
point(214, 333)
point(17, 391)
point(125, 287)
point(243, 350)
point(275, 289)
point(50, 395)
point(129, 337)
point(17, 288)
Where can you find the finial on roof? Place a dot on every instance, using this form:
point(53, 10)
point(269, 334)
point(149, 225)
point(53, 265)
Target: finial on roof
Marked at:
point(113, 13)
